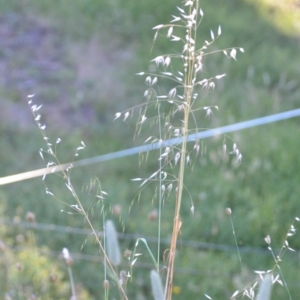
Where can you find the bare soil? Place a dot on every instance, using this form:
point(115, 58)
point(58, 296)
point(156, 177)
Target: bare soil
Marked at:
point(69, 78)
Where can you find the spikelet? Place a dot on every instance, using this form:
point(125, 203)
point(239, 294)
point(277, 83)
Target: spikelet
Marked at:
point(264, 292)
point(156, 285)
point(112, 243)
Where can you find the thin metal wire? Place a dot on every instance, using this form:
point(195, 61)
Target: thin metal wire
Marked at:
point(154, 146)
point(134, 237)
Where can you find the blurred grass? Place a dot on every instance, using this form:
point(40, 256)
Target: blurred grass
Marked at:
point(263, 192)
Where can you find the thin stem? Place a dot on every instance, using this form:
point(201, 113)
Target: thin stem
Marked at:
point(237, 247)
point(281, 274)
point(159, 190)
point(104, 242)
point(72, 283)
point(188, 91)
point(104, 253)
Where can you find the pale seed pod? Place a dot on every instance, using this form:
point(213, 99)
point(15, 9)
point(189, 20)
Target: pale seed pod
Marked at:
point(112, 243)
point(228, 211)
point(123, 277)
point(117, 210)
point(265, 288)
point(67, 257)
point(30, 217)
point(106, 284)
point(156, 285)
point(152, 216)
point(127, 254)
point(268, 239)
point(192, 209)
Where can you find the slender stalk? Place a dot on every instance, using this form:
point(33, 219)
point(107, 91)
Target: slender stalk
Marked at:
point(237, 248)
point(104, 253)
point(159, 190)
point(104, 247)
point(188, 92)
point(72, 283)
point(177, 220)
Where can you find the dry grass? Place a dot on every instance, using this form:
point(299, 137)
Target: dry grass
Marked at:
point(176, 110)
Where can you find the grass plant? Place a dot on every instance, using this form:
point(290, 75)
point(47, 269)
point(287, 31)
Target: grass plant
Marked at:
point(177, 109)
point(174, 110)
point(78, 207)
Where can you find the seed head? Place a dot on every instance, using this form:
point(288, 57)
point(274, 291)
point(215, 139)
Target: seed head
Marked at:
point(156, 285)
point(67, 256)
point(152, 216)
point(112, 243)
point(106, 284)
point(30, 217)
point(192, 209)
point(117, 210)
point(268, 239)
point(127, 254)
point(228, 211)
point(123, 277)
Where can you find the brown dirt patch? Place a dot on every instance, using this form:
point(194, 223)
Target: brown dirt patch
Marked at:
point(67, 77)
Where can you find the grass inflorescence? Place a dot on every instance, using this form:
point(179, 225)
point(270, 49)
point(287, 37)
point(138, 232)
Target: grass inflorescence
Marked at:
point(174, 109)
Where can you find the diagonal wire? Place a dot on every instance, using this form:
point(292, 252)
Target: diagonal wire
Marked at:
point(151, 147)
